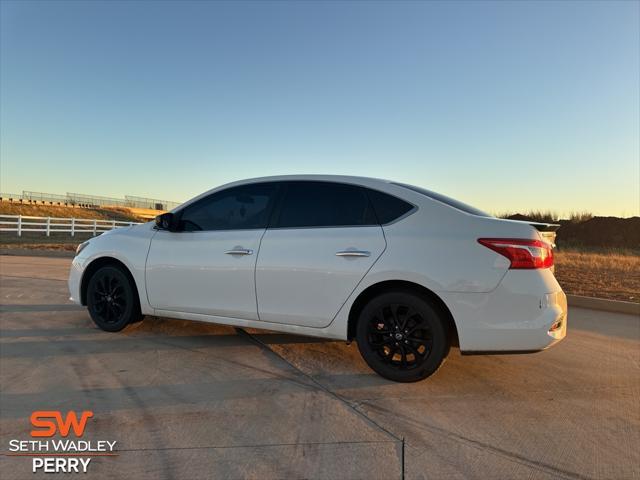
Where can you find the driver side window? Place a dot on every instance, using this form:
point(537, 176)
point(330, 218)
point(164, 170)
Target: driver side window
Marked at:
point(238, 208)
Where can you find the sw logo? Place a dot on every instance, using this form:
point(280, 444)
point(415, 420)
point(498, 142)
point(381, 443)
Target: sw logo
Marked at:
point(61, 454)
point(42, 419)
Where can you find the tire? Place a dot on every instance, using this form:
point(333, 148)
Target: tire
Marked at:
point(402, 336)
point(112, 299)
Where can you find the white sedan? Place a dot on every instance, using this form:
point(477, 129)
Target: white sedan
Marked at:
point(404, 271)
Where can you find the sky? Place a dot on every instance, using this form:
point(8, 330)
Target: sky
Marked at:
point(508, 106)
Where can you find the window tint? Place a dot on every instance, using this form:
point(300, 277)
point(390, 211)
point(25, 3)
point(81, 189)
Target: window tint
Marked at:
point(446, 200)
point(387, 207)
point(237, 208)
point(324, 204)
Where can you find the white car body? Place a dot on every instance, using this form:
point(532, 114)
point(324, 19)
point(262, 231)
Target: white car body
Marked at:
point(294, 282)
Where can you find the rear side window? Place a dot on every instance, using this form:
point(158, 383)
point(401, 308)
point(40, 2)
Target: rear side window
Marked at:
point(237, 208)
point(324, 204)
point(387, 207)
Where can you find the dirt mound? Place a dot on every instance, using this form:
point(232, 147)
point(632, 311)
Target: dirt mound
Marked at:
point(120, 214)
point(602, 232)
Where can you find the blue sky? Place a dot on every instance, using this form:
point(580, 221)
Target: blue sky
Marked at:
point(509, 106)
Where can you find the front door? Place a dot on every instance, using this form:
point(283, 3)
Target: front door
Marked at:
point(208, 266)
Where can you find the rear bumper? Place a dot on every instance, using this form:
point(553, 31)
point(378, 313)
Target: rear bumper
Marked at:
point(526, 312)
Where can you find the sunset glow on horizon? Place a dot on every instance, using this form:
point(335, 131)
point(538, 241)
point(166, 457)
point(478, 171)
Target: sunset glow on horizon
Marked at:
point(507, 106)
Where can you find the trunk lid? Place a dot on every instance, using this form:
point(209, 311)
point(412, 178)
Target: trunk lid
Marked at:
point(547, 231)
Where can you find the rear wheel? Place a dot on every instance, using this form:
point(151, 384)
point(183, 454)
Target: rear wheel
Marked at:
point(111, 299)
point(402, 336)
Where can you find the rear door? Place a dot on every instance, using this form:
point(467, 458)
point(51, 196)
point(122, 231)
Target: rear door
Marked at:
point(322, 241)
point(208, 266)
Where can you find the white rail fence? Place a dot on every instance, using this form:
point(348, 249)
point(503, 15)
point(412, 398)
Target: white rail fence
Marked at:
point(49, 225)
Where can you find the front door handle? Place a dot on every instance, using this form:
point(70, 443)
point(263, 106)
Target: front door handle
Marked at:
point(353, 253)
point(239, 251)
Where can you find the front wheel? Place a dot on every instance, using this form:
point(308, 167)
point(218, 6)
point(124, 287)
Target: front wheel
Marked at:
point(402, 336)
point(111, 299)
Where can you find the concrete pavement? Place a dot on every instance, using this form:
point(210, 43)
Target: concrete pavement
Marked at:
point(192, 400)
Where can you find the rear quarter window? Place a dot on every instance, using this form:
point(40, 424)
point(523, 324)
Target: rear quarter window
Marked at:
point(452, 202)
point(387, 207)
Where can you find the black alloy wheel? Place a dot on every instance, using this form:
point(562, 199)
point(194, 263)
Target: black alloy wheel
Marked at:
point(401, 336)
point(111, 299)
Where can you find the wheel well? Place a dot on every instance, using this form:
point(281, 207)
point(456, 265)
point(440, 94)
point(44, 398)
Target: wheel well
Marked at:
point(93, 268)
point(400, 285)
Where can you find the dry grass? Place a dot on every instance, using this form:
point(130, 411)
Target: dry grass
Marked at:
point(549, 216)
point(579, 217)
point(615, 276)
point(122, 214)
point(40, 241)
point(59, 247)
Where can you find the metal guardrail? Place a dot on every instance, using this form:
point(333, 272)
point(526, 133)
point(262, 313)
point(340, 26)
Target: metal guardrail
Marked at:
point(49, 225)
point(150, 203)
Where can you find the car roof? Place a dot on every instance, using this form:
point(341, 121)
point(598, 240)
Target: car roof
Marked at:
point(316, 177)
point(364, 181)
point(414, 195)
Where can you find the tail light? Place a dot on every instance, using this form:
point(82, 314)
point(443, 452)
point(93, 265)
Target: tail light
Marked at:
point(522, 253)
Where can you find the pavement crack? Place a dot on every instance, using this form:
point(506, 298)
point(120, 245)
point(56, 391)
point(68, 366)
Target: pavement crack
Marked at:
point(168, 343)
point(511, 456)
point(320, 386)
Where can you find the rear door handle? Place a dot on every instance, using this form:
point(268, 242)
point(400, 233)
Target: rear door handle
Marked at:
point(353, 253)
point(239, 251)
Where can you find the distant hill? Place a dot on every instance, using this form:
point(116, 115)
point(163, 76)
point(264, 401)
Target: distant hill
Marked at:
point(601, 232)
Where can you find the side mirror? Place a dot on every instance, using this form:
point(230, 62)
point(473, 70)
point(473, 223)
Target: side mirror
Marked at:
point(167, 221)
